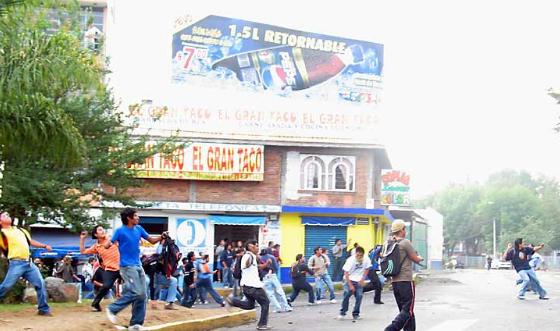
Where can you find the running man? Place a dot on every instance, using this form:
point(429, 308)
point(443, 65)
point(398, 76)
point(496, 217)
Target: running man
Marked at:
point(519, 257)
point(128, 237)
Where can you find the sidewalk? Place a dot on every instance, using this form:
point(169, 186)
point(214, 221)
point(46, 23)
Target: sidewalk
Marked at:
point(80, 318)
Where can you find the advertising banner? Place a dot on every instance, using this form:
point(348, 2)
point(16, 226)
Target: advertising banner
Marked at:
point(206, 161)
point(237, 79)
point(261, 57)
point(395, 188)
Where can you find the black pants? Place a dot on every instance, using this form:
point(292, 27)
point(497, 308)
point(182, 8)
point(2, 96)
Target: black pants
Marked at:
point(302, 286)
point(374, 285)
point(254, 294)
point(189, 295)
point(109, 279)
point(404, 295)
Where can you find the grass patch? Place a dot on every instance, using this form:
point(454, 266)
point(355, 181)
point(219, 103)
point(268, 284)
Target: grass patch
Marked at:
point(10, 308)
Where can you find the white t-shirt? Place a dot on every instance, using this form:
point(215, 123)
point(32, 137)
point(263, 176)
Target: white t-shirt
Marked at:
point(356, 270)
point(250, 275)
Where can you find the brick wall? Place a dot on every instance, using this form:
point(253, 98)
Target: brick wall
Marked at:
point(265, 192)
point(162, 190)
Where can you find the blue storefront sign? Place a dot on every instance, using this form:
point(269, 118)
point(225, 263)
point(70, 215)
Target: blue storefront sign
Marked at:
point(191, 234)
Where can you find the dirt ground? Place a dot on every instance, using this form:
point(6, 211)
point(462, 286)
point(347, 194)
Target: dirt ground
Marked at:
point(81, 318)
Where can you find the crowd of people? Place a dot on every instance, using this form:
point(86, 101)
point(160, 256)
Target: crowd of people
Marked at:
point(254, 275)
point(166, 276)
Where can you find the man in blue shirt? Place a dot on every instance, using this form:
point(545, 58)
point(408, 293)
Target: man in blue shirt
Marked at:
point(519, 257)
point(128, 238)
point(226, 260)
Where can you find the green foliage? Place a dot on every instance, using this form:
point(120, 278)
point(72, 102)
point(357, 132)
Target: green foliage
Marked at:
point(523, 207)
point(61, 134)
point(15, 295)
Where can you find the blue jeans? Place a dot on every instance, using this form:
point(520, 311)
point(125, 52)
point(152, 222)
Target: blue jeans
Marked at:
point(204, 285)
point(275, 293)
point(319, 285)
point(134, 292)
point(29, 271)
point(530, 277)
point(168, 288)
point(227, 277)
point(358, 293)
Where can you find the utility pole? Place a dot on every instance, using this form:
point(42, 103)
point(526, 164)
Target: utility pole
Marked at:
point(494, 226)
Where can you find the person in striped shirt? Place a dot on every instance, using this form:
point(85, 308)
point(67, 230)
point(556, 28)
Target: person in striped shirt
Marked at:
point(110, 261)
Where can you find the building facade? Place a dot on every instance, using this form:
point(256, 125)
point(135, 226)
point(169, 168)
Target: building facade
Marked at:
point(279, 127)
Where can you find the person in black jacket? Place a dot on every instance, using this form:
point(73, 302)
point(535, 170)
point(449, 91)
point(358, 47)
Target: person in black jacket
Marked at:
point(189, 287)
point(299, 271)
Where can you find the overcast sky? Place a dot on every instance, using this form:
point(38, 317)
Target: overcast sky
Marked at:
point(464, 81)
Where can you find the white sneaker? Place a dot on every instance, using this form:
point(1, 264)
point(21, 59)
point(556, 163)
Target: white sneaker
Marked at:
point(311, 303)
point(112, 317)
point(341, 317)
point(318, 302)
point(136, 327)
point(333, 301)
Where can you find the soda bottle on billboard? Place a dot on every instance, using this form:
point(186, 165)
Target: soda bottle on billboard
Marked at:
point(282, 67)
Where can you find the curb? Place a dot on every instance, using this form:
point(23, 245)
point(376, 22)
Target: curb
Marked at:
point(210, 323)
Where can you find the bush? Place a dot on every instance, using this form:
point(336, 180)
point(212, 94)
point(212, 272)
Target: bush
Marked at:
point(15, 295)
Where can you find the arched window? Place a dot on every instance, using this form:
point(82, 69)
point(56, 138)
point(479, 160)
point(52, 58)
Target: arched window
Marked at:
point(312, 173)
point(341, 174)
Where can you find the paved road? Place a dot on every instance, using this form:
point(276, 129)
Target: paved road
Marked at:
point(461, 300)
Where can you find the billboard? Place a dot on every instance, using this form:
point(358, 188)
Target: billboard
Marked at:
point(237, 79)
point(206, 161)
point(395, 188)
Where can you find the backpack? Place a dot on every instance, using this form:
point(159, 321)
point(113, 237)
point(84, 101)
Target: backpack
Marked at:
point(5, 241)
point(391, 261)
point(170, 257)
point(237, 267)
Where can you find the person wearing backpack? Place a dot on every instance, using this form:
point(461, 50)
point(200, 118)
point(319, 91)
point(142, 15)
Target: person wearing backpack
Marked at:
point(403, 285)
point(252, 285)
point(15, 243)
point(166, 277)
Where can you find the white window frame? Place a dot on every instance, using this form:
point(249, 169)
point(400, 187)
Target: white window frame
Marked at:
point(327, 176)
point(305, 163)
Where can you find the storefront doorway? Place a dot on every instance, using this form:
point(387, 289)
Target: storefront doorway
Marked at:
point(235, 232)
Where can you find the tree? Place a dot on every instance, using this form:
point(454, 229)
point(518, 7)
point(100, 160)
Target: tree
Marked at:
point(39, 74)
point(522, 205)
point(458, 204)
point(54, 100)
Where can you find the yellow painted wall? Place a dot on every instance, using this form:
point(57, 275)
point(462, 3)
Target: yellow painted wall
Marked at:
point(293, 238)
point(361, 234)
point(381, 236)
